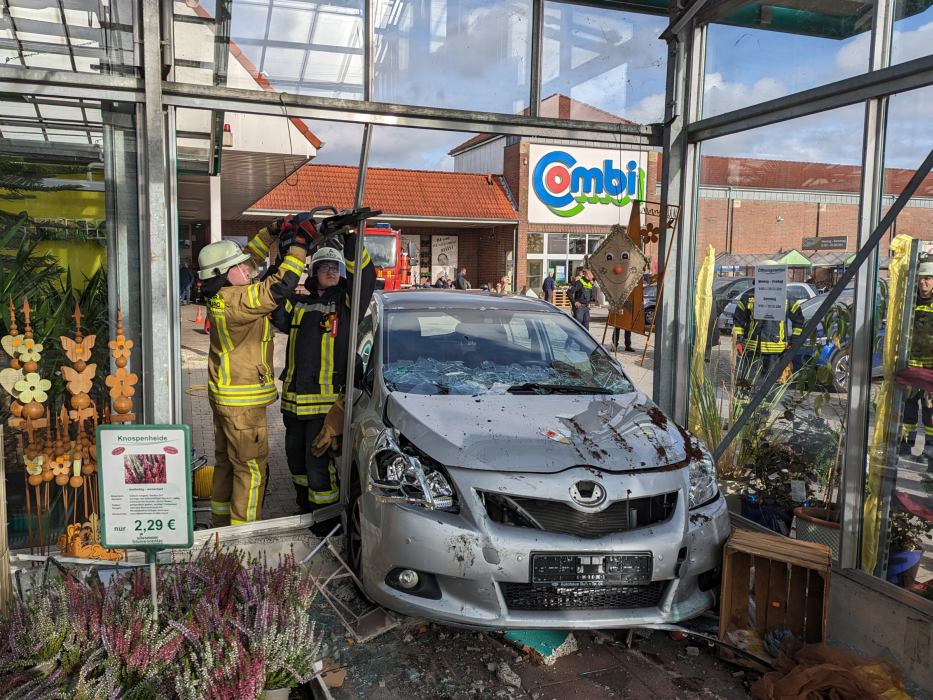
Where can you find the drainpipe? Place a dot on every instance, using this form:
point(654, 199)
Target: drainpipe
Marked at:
point(515, 259)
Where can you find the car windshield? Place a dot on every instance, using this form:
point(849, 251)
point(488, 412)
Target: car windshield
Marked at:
point(494, 351)
point(381, 249)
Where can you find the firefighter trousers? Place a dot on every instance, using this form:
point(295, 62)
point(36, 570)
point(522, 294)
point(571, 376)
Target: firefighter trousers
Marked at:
point(315, 478)
point(241, 453)
point(915, 407)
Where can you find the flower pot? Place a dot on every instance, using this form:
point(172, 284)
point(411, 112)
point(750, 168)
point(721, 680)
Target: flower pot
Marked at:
point(817, 525)
point(903, 566)
point(767, 512)
point(275, 694)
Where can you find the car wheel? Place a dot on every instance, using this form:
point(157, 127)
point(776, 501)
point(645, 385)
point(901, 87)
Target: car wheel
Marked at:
point(649, 317)
point(839, 365)
point(354, 527)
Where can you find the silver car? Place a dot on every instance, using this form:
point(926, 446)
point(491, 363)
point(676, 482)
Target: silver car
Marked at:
point(508, 475)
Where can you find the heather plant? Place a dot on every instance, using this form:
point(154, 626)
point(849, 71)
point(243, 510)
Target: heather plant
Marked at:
point(229, 627)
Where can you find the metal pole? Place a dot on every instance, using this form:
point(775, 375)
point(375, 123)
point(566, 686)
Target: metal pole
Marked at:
point(346, 454)
point(537, 42)
point(6, 584)
point(152, 557)
point(767, 382)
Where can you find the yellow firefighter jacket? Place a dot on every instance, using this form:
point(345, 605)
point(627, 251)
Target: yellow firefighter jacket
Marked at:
point(239, 365)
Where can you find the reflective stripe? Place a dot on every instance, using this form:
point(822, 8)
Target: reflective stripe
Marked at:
point(233, 521)
point(292, 264)
point(255, 480)
point(264, 347)
point(226, 343)
point(252, 296)
point(329, 496)
point(301, 410)
point(258, 246)
point(300, 479)
point(309, 398)
point(292, 342)
point(220, 507)
point(326, 375)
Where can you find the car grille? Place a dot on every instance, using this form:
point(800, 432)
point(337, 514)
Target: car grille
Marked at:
point(524, 596)
point(555, 516)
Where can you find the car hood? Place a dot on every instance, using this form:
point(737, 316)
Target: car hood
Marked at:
point(542, 434)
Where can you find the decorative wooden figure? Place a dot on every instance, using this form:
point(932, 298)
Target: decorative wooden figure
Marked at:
point(122, 383)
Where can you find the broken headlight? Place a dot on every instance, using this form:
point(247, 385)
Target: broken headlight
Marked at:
point(703, 486)
point(401, 474)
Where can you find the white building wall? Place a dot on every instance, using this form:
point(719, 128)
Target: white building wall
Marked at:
point(485, 158)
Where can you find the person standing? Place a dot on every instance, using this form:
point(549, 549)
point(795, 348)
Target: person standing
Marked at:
point(239, 365)
point(186, 281)
point(582, 294)
point(916, 402)
point(314, 379)
point(760, 343)
point(548, 287)
point(460, 281)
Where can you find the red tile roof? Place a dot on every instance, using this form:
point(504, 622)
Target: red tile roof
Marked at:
point(260, 79)
point(795, 175)
point(421, 193)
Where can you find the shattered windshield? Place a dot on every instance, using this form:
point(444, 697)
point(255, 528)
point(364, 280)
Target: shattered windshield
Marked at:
point(494, 351)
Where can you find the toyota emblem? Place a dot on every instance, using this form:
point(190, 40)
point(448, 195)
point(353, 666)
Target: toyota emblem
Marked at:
point(588, 493)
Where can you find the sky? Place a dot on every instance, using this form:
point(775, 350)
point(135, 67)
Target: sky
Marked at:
point(611, 60)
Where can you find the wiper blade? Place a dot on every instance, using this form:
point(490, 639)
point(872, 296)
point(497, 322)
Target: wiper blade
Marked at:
point(537, 388)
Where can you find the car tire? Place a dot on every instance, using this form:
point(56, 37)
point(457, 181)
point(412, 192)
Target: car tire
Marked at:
point(649, 316)
point(353, 514)
point(839, 366)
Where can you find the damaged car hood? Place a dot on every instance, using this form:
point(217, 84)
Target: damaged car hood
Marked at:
point(542, 434)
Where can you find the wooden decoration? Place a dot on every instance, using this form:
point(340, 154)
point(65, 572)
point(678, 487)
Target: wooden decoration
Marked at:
point(122, 383)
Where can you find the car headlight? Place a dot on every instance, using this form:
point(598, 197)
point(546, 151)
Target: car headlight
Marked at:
point(703, 486)
point(401, 474)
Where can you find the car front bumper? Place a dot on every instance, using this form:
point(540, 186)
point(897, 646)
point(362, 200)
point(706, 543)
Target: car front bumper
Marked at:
point(474, 560)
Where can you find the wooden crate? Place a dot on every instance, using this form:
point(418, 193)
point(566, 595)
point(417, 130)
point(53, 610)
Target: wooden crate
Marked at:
point(561, 298)
point(788, 582)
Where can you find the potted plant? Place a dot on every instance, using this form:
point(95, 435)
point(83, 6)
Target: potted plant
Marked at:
point(905, 539)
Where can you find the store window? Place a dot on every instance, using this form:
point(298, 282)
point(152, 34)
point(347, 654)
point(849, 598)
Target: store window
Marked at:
point(897, 530)
point(786, 458)
point(577, 244)
point(463, 55)
point(69, 271)
point(557, 244)
point(536, 275)
point(535, 243)
point(603, 64)
point(761, 52)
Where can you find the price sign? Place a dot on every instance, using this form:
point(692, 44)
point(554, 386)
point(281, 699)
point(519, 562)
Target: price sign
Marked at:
point(145, 486)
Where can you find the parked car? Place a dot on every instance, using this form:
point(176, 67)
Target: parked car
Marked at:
point(649, 301)
point(796, 291)
point(506, 473)
point(836, 357)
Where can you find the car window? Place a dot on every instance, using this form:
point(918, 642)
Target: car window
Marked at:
point(797, 292)
point(472, 351)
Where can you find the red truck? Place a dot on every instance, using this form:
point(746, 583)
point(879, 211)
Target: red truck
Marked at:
point(393, 265)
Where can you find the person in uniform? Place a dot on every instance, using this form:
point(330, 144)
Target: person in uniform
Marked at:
point(582, 294)
point(318, 327)
point(239, 365)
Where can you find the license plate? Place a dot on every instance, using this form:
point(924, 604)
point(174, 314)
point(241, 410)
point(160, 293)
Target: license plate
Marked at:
point(590, 570)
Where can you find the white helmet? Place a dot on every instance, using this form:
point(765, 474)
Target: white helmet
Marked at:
point(218, 257)
point(328, 255)
point(925, 269)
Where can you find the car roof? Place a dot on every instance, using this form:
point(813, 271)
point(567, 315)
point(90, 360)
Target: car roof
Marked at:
point(451, 298)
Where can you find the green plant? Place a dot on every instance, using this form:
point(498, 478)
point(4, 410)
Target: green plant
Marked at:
point(907, 531)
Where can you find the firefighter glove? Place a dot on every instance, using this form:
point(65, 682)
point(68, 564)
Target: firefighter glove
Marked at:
point(738, 348)
point(327, 439)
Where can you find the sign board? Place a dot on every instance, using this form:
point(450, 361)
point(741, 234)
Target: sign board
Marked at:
point(771, 293)
point(825, 243)
point(145, 486)
point(591, 186)
point(444, 251)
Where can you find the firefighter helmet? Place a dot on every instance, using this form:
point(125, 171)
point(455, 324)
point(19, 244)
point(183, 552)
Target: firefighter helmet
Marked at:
point(217, 258)
point(925, 269)
point(328, 255)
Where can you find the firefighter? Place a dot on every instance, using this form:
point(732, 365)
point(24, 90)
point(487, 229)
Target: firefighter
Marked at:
point(240, 379)
point(759, 343)
point(916, 402)
point(582, 294)
point(318, 327)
